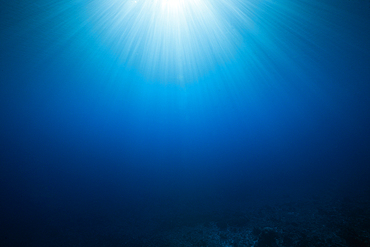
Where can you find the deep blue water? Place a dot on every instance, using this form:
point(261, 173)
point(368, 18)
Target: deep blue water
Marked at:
point(125, 122)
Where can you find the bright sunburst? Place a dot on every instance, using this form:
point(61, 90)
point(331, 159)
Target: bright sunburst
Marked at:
point(169, 40)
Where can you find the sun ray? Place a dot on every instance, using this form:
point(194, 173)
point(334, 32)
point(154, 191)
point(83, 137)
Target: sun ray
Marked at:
point(169, 40)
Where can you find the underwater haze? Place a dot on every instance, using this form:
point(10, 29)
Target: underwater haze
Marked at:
point(241, 123)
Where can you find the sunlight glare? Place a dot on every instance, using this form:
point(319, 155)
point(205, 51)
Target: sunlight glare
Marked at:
point(168, 40)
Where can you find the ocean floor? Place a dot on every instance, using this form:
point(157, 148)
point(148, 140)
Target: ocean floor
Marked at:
point(290, 222)
point(312, 221)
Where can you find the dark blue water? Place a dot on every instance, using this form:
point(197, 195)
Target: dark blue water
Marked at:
point(185, 123)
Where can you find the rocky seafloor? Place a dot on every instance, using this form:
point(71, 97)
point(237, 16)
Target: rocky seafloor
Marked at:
point(314, 221)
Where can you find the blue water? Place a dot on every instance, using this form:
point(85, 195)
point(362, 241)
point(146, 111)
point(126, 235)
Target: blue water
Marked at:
point(136, 123)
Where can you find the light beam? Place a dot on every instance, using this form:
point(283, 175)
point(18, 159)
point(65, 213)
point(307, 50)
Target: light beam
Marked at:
point(169, 40)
